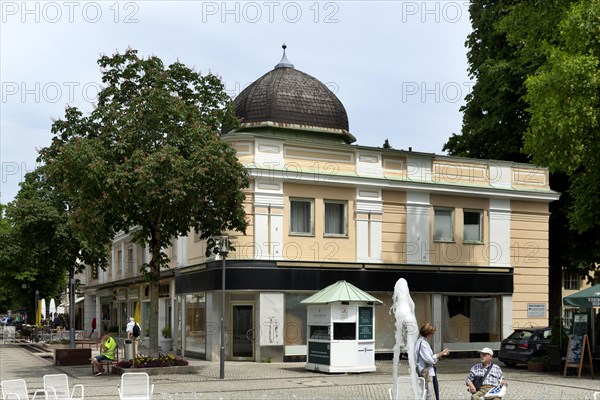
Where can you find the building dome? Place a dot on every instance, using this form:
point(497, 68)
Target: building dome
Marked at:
point(291, 99)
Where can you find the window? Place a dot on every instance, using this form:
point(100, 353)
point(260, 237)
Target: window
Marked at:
point(174, 248)
point(571, 281)
point(130, 261)
point(344, 331)
point(301, 216)
point(120, 261)
point(335, 218)
point(319, 332)
point(472, 226)
point(442, 225)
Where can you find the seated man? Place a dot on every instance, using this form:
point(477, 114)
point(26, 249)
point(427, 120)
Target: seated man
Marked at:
point(107, 352)
point(491, 374)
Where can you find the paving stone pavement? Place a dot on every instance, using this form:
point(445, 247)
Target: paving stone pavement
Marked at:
point(270, 381)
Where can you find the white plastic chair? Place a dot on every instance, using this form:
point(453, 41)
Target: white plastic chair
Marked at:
point(596, 395)
point(135, 386)
point(16, 389)
point(405, 388)
point(57, 386)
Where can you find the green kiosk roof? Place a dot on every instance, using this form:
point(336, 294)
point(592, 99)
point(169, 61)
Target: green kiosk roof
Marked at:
point(341, 291)
point(586, 298)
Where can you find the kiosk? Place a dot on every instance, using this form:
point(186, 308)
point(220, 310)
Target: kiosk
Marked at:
point(341, 329)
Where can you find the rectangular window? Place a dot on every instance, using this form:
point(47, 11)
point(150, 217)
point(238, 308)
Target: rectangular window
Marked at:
point(344, 331)
point(174, 248)
point(319, 332)
point(130, 261)
point(335, 218)
point(195, 322)
point(571, 281)
point(472, 226)
point(301, 216)
point(442, 225)
point(120, 262)
point(295, 320)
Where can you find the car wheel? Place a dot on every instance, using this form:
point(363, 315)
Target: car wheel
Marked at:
point(510, 363)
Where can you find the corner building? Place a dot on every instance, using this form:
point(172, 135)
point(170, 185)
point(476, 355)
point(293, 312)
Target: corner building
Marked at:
point(470, 237)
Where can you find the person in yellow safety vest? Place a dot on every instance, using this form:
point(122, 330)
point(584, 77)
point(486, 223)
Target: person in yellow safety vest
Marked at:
point(107, 352)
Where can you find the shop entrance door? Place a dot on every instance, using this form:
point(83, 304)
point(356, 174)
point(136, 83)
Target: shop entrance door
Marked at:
point(242, 317)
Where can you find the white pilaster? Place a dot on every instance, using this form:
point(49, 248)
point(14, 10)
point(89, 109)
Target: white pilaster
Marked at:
point(182, 259)
point(499, 248)
point(268, 154)
point(268, 226)
point(121, 273)
point(418, 168)
point(368, 230)
point(417, 227)
point(368, 163)
point(500, 174)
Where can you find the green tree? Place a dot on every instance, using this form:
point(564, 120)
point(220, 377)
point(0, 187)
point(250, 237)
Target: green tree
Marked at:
point(43, 248)
point(6, 288)
point(148, 160)
point(542, 31)
point(510, 42)
point(494, 116)
point(564, 98)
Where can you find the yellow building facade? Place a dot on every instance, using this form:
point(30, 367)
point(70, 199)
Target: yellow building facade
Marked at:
point(470, 237)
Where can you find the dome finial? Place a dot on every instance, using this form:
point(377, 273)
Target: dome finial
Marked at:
point(284, 63)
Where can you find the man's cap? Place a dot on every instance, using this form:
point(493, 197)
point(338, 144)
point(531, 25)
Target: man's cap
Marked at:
point(487, 350)
point(131, 319)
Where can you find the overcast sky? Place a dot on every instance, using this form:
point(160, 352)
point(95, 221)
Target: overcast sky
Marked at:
point(399, 67)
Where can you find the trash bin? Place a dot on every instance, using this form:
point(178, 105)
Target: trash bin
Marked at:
point(129, 349)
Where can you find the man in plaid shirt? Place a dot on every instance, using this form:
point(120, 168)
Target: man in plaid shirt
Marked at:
point(493, 378)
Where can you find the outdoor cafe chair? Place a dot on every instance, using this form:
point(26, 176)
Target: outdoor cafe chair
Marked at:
point(57, 386)
point(16, 389)
point(135, 386)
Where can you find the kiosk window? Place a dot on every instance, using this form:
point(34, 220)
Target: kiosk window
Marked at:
point(319, 332)
point(344, 331)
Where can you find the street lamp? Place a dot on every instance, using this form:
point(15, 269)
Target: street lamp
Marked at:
point(24, 319)
point(223, 250)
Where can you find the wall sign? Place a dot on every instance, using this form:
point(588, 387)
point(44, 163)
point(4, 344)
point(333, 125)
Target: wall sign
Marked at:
point(580, 322)
point(365, 323)
point(535, 310)
point(319, 353)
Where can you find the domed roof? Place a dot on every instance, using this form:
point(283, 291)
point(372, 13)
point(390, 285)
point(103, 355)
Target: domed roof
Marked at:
point(289, 98)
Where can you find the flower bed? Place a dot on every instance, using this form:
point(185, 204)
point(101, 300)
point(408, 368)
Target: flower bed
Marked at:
point(164, 364)
point(163, 360)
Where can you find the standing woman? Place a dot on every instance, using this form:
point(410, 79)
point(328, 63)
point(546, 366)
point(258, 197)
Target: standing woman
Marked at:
point(425, 359)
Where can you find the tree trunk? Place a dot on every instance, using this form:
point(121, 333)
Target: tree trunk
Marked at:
point(153, 347)
point(154, 270)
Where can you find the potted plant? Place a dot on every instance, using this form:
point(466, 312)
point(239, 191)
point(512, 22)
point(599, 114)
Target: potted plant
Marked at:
point(556, 350)
point(167, 342)
point(538, 364)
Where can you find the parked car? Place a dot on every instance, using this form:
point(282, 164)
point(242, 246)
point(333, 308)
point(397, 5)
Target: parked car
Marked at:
point(523, 344)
